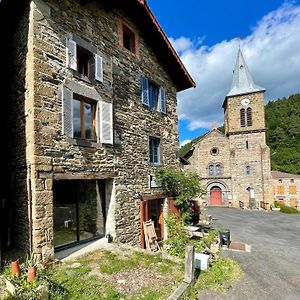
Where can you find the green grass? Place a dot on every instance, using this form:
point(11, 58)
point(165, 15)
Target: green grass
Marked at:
point(219, 277)
point(286, 209)
point(77, 283)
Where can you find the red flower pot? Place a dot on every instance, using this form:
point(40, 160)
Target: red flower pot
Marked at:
point(31, 274)
point(15, 268)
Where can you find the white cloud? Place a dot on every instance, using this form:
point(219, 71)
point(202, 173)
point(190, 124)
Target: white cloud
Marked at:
point(272, 53)
point(184, 142)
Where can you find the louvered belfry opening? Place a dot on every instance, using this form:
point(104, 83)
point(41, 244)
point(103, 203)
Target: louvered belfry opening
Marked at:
point(249, 116)
point(243, 117)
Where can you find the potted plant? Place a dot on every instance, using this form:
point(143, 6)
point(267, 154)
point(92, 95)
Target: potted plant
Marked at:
point(31, 266)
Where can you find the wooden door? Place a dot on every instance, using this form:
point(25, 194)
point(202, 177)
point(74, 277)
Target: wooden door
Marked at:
point(215, 196)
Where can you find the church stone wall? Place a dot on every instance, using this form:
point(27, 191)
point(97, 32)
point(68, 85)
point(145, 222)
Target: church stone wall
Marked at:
point(232, 114)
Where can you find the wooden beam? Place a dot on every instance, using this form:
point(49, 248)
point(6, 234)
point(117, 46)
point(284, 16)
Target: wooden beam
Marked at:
point(77, 176)
point(153, 197)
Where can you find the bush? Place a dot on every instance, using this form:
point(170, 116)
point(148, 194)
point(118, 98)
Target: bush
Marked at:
point(286, 209)
point(184, 186)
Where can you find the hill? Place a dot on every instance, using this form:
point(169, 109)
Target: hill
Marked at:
point(283, 135)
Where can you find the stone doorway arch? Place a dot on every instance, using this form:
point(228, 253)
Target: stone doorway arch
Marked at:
point(217, 193)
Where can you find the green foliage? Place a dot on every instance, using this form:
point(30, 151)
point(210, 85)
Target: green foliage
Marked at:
point(221, 274)
point(182, 185)
point(286, 209)
point(179, 239)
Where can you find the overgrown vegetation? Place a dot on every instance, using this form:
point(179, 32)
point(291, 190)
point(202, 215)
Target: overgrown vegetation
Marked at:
point(183, 185)
point(219, 277)
point(283, 134)
point(178, 238)
point(286, 209)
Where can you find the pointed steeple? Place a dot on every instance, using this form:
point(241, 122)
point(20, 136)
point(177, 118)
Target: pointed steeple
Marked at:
point(242, 82)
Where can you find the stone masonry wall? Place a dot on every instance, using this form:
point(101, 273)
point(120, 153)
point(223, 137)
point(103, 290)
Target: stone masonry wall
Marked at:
point(232, 114)
point(133, 123)
point(17, 97)
point(257, 157)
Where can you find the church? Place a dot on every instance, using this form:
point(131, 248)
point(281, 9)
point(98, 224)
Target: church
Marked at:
point(234, 166)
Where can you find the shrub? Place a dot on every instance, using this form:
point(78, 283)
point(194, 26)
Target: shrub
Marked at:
point(184, 186)
point(286, 209)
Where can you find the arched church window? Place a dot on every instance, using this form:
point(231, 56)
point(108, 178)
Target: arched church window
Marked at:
point(243, 117)
point(211, 169)
point(218, 169)
point(248, 170)
point(249, 116)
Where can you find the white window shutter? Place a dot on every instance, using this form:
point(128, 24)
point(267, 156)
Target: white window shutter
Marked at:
point(106, 122)
point(71, 54)
point(144, 90)
point(98, 67)
point(67, 112)
point(162, 99)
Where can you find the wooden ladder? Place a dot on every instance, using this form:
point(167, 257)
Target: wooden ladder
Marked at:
point(150, 236)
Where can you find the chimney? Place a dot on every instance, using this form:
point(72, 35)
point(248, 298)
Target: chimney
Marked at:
point(214, 126)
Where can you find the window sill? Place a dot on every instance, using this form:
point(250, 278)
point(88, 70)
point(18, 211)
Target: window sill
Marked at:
point(82, 77)
point(85, 143)
point(154, 110)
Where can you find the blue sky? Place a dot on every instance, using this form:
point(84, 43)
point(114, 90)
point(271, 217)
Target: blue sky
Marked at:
point(204, 35)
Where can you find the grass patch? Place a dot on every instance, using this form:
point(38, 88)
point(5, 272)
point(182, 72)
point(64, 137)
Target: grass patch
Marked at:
point(98, 273)
point(219, 277)
point(286, 209)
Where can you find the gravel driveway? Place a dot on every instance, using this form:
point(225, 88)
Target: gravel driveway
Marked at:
point(272, 269)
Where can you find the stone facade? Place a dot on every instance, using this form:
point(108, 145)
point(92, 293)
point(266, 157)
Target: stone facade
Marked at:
point(47, 154)
point(286, 188)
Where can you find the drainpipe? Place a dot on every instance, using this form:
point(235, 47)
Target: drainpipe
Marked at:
point(262, 177)
point(29, 207)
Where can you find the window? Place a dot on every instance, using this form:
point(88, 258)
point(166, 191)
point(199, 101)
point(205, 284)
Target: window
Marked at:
point(211, 170)
point(214, 151)
point(153, 95)
point(84, 118)
point(128, 39)
point(84, 61)
point(83, 58)
point(249, 116)
point(280, 180)
point(247, 145)
point(293, 189)
point(292, 180)
point(248, 170)
point(218, 169)
point(154, 150)
point(280, 189)
point(242, 116)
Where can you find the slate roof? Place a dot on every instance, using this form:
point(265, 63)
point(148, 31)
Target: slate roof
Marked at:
point(242, 82)
point(279, 174)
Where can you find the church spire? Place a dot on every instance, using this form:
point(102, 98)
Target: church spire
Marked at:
point(242, 82)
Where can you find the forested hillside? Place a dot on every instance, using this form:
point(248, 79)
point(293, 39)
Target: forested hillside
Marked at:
point(283, 135)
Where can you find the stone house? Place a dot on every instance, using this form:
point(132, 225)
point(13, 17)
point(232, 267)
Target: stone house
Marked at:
point(235, 165)
point(286, 188)
point(89, 112)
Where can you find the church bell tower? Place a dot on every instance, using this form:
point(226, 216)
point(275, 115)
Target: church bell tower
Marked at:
point(244, 122)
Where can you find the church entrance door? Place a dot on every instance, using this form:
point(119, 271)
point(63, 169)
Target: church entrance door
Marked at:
point(215, 196)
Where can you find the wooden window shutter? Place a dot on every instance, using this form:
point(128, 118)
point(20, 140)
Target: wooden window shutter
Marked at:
point(280, 189)
point(67, 112)
point(249, 116)
point(106, 122)
point(144, 90)
point(98, 67)
point(162, 99)
point(293, 189)
point(243, 117)
point(71, 54)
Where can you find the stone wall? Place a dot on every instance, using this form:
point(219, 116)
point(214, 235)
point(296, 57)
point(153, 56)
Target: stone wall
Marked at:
point(14, 160)
point(49, 151)
point(232, 113)
point(257, 156)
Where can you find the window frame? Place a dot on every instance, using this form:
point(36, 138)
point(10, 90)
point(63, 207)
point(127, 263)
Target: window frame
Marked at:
point(152, 150)
point(248, 170)
point(94, 104)
point(249, 116)
point(125, 28)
